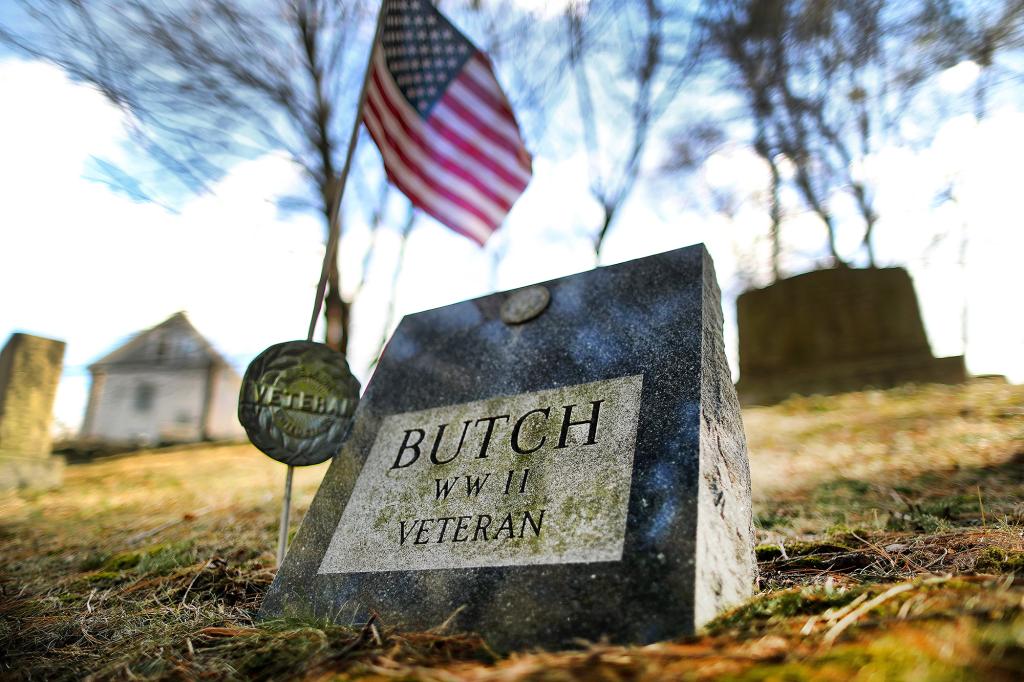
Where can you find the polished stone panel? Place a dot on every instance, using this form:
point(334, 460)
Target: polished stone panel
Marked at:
point(538, 478)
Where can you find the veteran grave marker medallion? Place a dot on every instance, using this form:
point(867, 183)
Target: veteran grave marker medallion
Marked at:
point(545, 470)
point(297, 401)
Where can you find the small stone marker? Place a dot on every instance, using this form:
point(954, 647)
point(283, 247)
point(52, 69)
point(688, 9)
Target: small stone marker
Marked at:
point(30, 369)
point(558, 462)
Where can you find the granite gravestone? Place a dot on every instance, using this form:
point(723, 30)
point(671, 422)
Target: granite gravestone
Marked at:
point(30, 368)
point(562, 461)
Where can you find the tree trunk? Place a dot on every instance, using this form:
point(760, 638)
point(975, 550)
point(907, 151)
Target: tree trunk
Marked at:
point(776, 216)
point(609, 215)
point(336, 308)
point(803, 182)
point(869, 245)
point(763, 149)
point(336, 312)
point(837, 261)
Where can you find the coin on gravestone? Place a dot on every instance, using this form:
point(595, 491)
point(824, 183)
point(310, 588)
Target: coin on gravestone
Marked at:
point(297, 402)
point(524, 305)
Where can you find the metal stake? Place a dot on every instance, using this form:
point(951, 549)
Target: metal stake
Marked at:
point(282, 535)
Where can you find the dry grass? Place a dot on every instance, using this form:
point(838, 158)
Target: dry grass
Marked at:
point(891, 527)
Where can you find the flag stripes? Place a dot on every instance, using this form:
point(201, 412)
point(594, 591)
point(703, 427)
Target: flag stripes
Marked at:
point(460, 157)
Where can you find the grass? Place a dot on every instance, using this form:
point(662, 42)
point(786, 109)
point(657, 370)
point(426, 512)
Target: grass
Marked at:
point(891, 546)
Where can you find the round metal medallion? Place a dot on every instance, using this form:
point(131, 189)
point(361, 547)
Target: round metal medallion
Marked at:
point(525, 304)
point(297, 401)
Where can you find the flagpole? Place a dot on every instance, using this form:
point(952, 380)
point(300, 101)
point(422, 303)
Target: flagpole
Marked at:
point(282, 534)
point(333, 226)
point(330, 254)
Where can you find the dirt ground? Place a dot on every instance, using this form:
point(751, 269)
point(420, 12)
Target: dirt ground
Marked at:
point(891, 531)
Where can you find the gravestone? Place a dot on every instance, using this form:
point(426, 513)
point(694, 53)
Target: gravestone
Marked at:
point(30, 368)
point(557, 462)
point(830, 331)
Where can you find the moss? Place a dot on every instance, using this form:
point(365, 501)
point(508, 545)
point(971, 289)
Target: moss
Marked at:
point(278, 654)
point(805, 550)
point(842, 488)
point(105, 577)
point(998, 560)
point(1003, 643)
point(918, 521)
point(122, 561)
point(951, 507)
point(771, 519)
point(888, 658)
point(157, 559)
point(164, 559)
point(781, 605)
point(94, 561)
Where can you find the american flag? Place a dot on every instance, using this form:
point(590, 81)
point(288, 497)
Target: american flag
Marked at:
point(444, 128)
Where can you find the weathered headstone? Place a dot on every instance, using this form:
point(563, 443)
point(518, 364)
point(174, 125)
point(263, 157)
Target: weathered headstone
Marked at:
point(562, 461)
point(30, 368)
point(829, 331)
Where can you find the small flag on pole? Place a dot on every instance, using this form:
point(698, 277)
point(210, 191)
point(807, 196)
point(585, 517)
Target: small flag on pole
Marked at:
point(446, 132)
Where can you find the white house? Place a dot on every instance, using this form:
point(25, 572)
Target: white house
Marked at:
point(167, 384)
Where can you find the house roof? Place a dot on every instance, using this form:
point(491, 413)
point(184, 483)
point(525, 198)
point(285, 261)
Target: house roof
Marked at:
point(172, 344)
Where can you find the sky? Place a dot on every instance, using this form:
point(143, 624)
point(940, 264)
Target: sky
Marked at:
point(85, 264)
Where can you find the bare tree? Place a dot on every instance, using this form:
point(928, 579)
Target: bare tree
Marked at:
point(628, 62)
point(205, 83)
point(825, 84)
point(951, 32)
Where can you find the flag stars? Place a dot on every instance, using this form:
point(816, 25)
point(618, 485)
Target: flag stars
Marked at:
point(422, 51)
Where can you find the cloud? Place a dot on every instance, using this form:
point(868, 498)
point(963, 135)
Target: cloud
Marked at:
point(87, 265)
point(956, 79)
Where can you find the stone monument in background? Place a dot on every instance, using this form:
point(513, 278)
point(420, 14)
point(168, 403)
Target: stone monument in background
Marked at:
point(831, 331)
point(30, 368)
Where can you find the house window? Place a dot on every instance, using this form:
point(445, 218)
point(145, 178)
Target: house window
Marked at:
point(144, 397)
point(161, 348)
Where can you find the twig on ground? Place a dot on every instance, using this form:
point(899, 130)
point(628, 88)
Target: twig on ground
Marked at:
point(852, 617)
point(447, 621)
point(360, 637)
point(877, 548)
point(833, 616)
